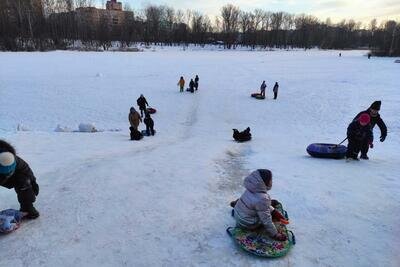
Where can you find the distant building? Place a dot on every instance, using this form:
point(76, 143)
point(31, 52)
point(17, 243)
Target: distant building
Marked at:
point(113, 15)
point(114, 5)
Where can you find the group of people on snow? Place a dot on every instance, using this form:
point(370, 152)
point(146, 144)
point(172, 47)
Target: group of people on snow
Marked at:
point(135, 119)
point(360, 132)
point(193, 84)
point(263, 87)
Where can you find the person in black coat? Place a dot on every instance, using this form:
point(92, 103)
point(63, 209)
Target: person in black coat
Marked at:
point(142, 102)
point(373, 112)
point(358, 133)
point(196, 82)
point(148, 121)
point(16, 173)
point(191, 86)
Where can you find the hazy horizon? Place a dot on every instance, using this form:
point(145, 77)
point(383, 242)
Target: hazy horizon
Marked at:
point(336, 10)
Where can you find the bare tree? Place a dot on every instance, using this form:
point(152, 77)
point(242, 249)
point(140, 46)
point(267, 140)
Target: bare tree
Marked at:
point(230, 24)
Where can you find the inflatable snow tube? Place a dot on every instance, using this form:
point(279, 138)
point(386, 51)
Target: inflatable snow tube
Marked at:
point(257, 96)
point(151, 110)
point(328, 151)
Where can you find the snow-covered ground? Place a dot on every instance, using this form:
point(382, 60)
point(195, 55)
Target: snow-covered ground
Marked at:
point(164, 201)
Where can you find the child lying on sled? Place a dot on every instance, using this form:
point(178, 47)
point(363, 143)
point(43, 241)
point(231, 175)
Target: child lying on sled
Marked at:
point(253, 209)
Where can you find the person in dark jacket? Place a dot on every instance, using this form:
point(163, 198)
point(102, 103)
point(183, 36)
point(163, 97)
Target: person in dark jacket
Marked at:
point(242, 136)
point(149, 124)
point(16, 173)
point(191, 86)
point(142, 102)
point(196, 82)
point(275, 90)
point(358, 133)
point(373, 112)
point(262, 88)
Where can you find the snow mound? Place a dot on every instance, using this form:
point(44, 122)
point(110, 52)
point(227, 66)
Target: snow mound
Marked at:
point(87, 128)
point(22, 128)
point(62, 129)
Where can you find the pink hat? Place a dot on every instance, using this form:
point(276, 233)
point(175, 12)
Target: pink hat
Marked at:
point(364, 119)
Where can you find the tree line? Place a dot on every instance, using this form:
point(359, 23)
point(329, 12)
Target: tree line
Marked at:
point(58, 26)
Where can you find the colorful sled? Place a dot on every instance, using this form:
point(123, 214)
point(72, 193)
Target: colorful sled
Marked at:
point(144, 133)
point(10, 220)
point(330, 151)
point(257, 96)
point(257, 242)
point(151, 110)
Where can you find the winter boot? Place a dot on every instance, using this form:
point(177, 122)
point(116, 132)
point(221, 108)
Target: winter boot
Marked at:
point(233, 203)
point(364, 156)
point(30, 209)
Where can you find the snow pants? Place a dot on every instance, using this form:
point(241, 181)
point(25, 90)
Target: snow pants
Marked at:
point(353, 148)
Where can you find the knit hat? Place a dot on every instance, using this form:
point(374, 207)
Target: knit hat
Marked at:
point(7, 163)
point(266, 175)
point(364, 119)
point(376, 105)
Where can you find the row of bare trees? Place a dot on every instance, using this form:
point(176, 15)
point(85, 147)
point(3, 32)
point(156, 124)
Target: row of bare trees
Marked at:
point(23, 28)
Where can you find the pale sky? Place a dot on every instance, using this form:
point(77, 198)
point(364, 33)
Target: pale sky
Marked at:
point(359, 10)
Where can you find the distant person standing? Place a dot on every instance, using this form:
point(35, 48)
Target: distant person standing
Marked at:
point(191, 86)
point(134, 118)
point(142, 102)
point(196, 82)
point(340, 54)
point(369, 55)
point(148, 121)
point(262, 88)
point(275, 90)
point(181, 84)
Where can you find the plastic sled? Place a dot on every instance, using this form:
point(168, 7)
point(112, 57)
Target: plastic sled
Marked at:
point(257, 96)
point(257, 242)
point(151, 110)
point(10, 220)
point(144, 133)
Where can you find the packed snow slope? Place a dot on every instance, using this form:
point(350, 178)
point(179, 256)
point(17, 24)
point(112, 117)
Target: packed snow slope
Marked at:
point(164, 201)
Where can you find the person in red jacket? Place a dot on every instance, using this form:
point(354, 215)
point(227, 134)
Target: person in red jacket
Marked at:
point(373, 112)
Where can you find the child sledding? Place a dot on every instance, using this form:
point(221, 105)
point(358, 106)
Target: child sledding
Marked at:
point(15, 173)
point(260, 222)
point(242, 136)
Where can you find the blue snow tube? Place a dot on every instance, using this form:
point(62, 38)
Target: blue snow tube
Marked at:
point(329, 151)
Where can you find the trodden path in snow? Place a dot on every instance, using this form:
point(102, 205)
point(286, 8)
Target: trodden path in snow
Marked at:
point(164, 201)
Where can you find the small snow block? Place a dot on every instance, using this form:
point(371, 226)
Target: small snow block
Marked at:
point(144, 133)
point(329, 151)
point(257, 96)
point(151, 110)
point(10, 220)
point(257, 242)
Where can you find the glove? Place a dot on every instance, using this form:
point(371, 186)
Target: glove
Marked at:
point(371, 145)
point(35, 188)
point(280, 237)
point(277, 216)
point(383, 137)
point(275, 203)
